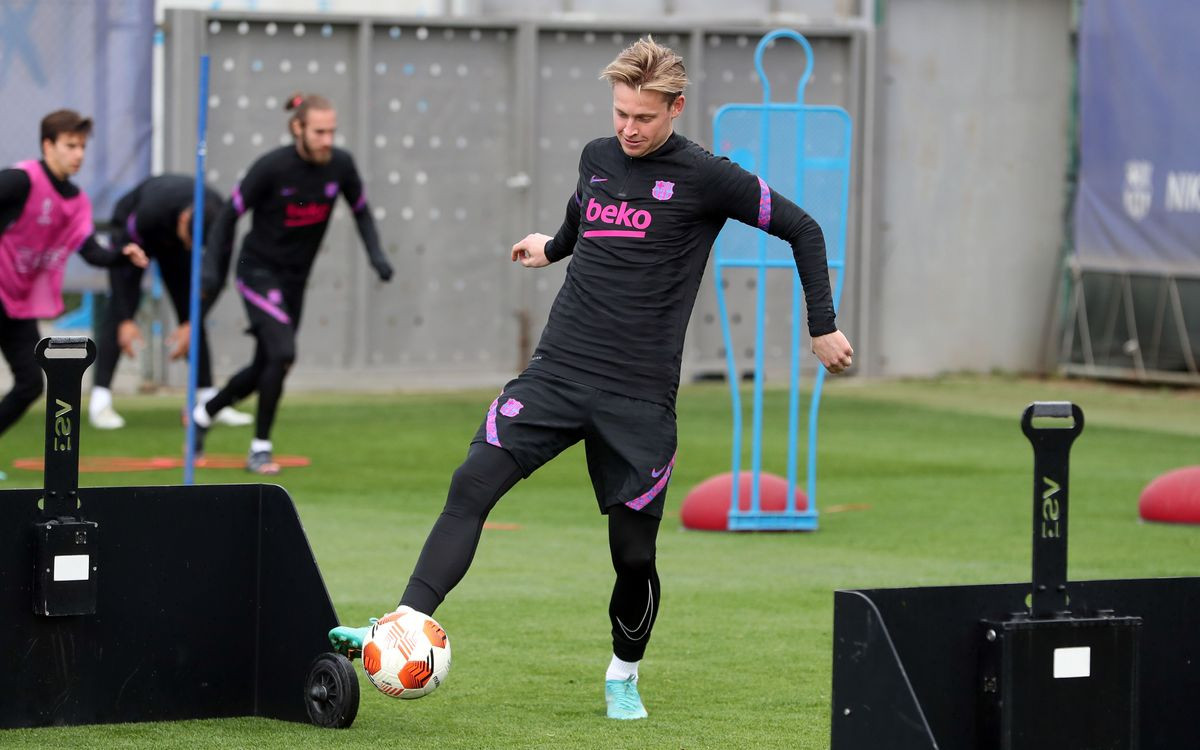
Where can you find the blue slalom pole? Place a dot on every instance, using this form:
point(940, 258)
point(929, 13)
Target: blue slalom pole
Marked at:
point(189, 463)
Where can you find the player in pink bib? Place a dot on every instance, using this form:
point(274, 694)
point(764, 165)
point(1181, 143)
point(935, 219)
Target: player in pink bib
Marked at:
point(44, 217)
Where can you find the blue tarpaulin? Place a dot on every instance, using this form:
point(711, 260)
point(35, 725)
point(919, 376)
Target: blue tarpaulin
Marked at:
point(93, 56)
point(1138, 203)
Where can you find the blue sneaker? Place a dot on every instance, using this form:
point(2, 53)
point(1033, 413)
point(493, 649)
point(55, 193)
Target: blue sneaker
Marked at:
point(623, 699)
point(348, 641)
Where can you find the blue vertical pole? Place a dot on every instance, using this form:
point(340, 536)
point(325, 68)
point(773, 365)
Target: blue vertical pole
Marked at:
point(189, 464)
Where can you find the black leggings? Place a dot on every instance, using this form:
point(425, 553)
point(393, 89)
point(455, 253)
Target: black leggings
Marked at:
point(476, 487)
point(18, 339)
point(274, 351)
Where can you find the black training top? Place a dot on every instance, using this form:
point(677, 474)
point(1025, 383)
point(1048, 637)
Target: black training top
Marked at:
point(148, 216)
point(292, 200)
point(14, 191)
point(639, 231)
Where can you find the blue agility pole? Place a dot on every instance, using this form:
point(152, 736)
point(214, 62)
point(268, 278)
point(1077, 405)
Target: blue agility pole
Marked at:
point(802, 152)
point(189, 462)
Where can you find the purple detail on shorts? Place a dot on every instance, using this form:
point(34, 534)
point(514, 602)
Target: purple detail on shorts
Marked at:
point(266, 304)
point(361, 203)
point(285, 192)
point(239, 203)
point(493, 437)
point(643, 500)
point(511, 408)
point(131, 229)
point(764, 205)
point(331, 189)
point(663, 190)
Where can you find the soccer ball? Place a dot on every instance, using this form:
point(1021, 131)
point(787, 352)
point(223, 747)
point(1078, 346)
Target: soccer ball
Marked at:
point(406, 654)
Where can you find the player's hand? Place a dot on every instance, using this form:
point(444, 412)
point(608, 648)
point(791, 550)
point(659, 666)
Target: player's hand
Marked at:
point(531, 251)
point(180, 341)
point(129, 337)
point(384, 269)
point(210, 287)
point(136, 255)
point(833, 351)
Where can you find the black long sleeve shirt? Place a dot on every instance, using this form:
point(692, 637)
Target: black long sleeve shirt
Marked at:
point(292, 200)
point(148, 215)
point(639, 232)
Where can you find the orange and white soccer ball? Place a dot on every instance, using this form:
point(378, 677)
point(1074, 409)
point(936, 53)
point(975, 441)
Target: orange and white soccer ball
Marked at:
point(406, 654)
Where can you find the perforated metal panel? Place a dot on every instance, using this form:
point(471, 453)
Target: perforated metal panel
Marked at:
point(468, 137)
point(440, 143)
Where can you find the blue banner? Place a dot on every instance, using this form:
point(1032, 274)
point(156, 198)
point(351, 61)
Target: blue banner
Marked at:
point(1138, 203)
point(93, 56)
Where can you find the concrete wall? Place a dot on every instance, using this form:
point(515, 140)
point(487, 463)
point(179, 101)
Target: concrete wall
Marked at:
point(973, 151)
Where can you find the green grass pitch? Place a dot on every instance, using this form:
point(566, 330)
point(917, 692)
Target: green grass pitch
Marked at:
point(741, 655)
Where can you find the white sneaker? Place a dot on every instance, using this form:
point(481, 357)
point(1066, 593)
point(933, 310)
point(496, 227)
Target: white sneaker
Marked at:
point(232, 417)
point(106, 419)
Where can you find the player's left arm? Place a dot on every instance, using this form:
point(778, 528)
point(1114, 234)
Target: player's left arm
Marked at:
point(743, 196)
point(356, 195)
point(99, 255)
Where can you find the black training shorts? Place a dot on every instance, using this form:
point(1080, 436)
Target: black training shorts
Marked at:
point(630, 443)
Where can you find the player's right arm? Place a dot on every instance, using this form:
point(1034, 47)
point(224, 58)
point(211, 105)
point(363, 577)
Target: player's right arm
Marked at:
point(539, 250)
point(218, 252)
point(14, 191)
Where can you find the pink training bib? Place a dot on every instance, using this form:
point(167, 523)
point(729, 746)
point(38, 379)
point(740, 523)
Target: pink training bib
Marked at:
point(34, 249)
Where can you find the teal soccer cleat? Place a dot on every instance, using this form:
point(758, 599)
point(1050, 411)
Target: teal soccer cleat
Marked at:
point(348, 641)
point(623, 699)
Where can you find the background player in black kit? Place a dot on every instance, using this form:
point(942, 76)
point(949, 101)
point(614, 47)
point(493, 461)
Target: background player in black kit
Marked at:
point(639, 229)
point(291, 191)
point(155, 216)
point(44, 217)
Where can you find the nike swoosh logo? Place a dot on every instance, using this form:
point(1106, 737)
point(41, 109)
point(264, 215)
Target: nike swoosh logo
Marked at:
point(656, 473)
point(647, 618)
point(596, 179)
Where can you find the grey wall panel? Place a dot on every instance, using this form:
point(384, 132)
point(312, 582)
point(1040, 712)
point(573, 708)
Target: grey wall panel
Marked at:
point(975, 122)
point(441, 142)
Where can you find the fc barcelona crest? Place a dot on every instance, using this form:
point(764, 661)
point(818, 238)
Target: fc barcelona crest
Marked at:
point(663, 190)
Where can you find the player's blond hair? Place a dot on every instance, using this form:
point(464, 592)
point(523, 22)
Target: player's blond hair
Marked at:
point(647, 65)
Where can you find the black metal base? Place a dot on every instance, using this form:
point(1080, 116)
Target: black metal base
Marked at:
point(909, 665)
point(208, 603)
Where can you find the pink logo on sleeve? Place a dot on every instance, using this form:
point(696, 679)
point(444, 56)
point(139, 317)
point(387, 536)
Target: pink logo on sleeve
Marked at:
point(511, 408)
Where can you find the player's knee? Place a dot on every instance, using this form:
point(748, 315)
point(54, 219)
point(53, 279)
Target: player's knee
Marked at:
point(633, 559)
point(282, 355)
point(471, 491)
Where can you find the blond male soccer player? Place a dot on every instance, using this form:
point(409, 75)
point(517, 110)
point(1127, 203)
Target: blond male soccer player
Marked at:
point(638, 231)
point(44, 217)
